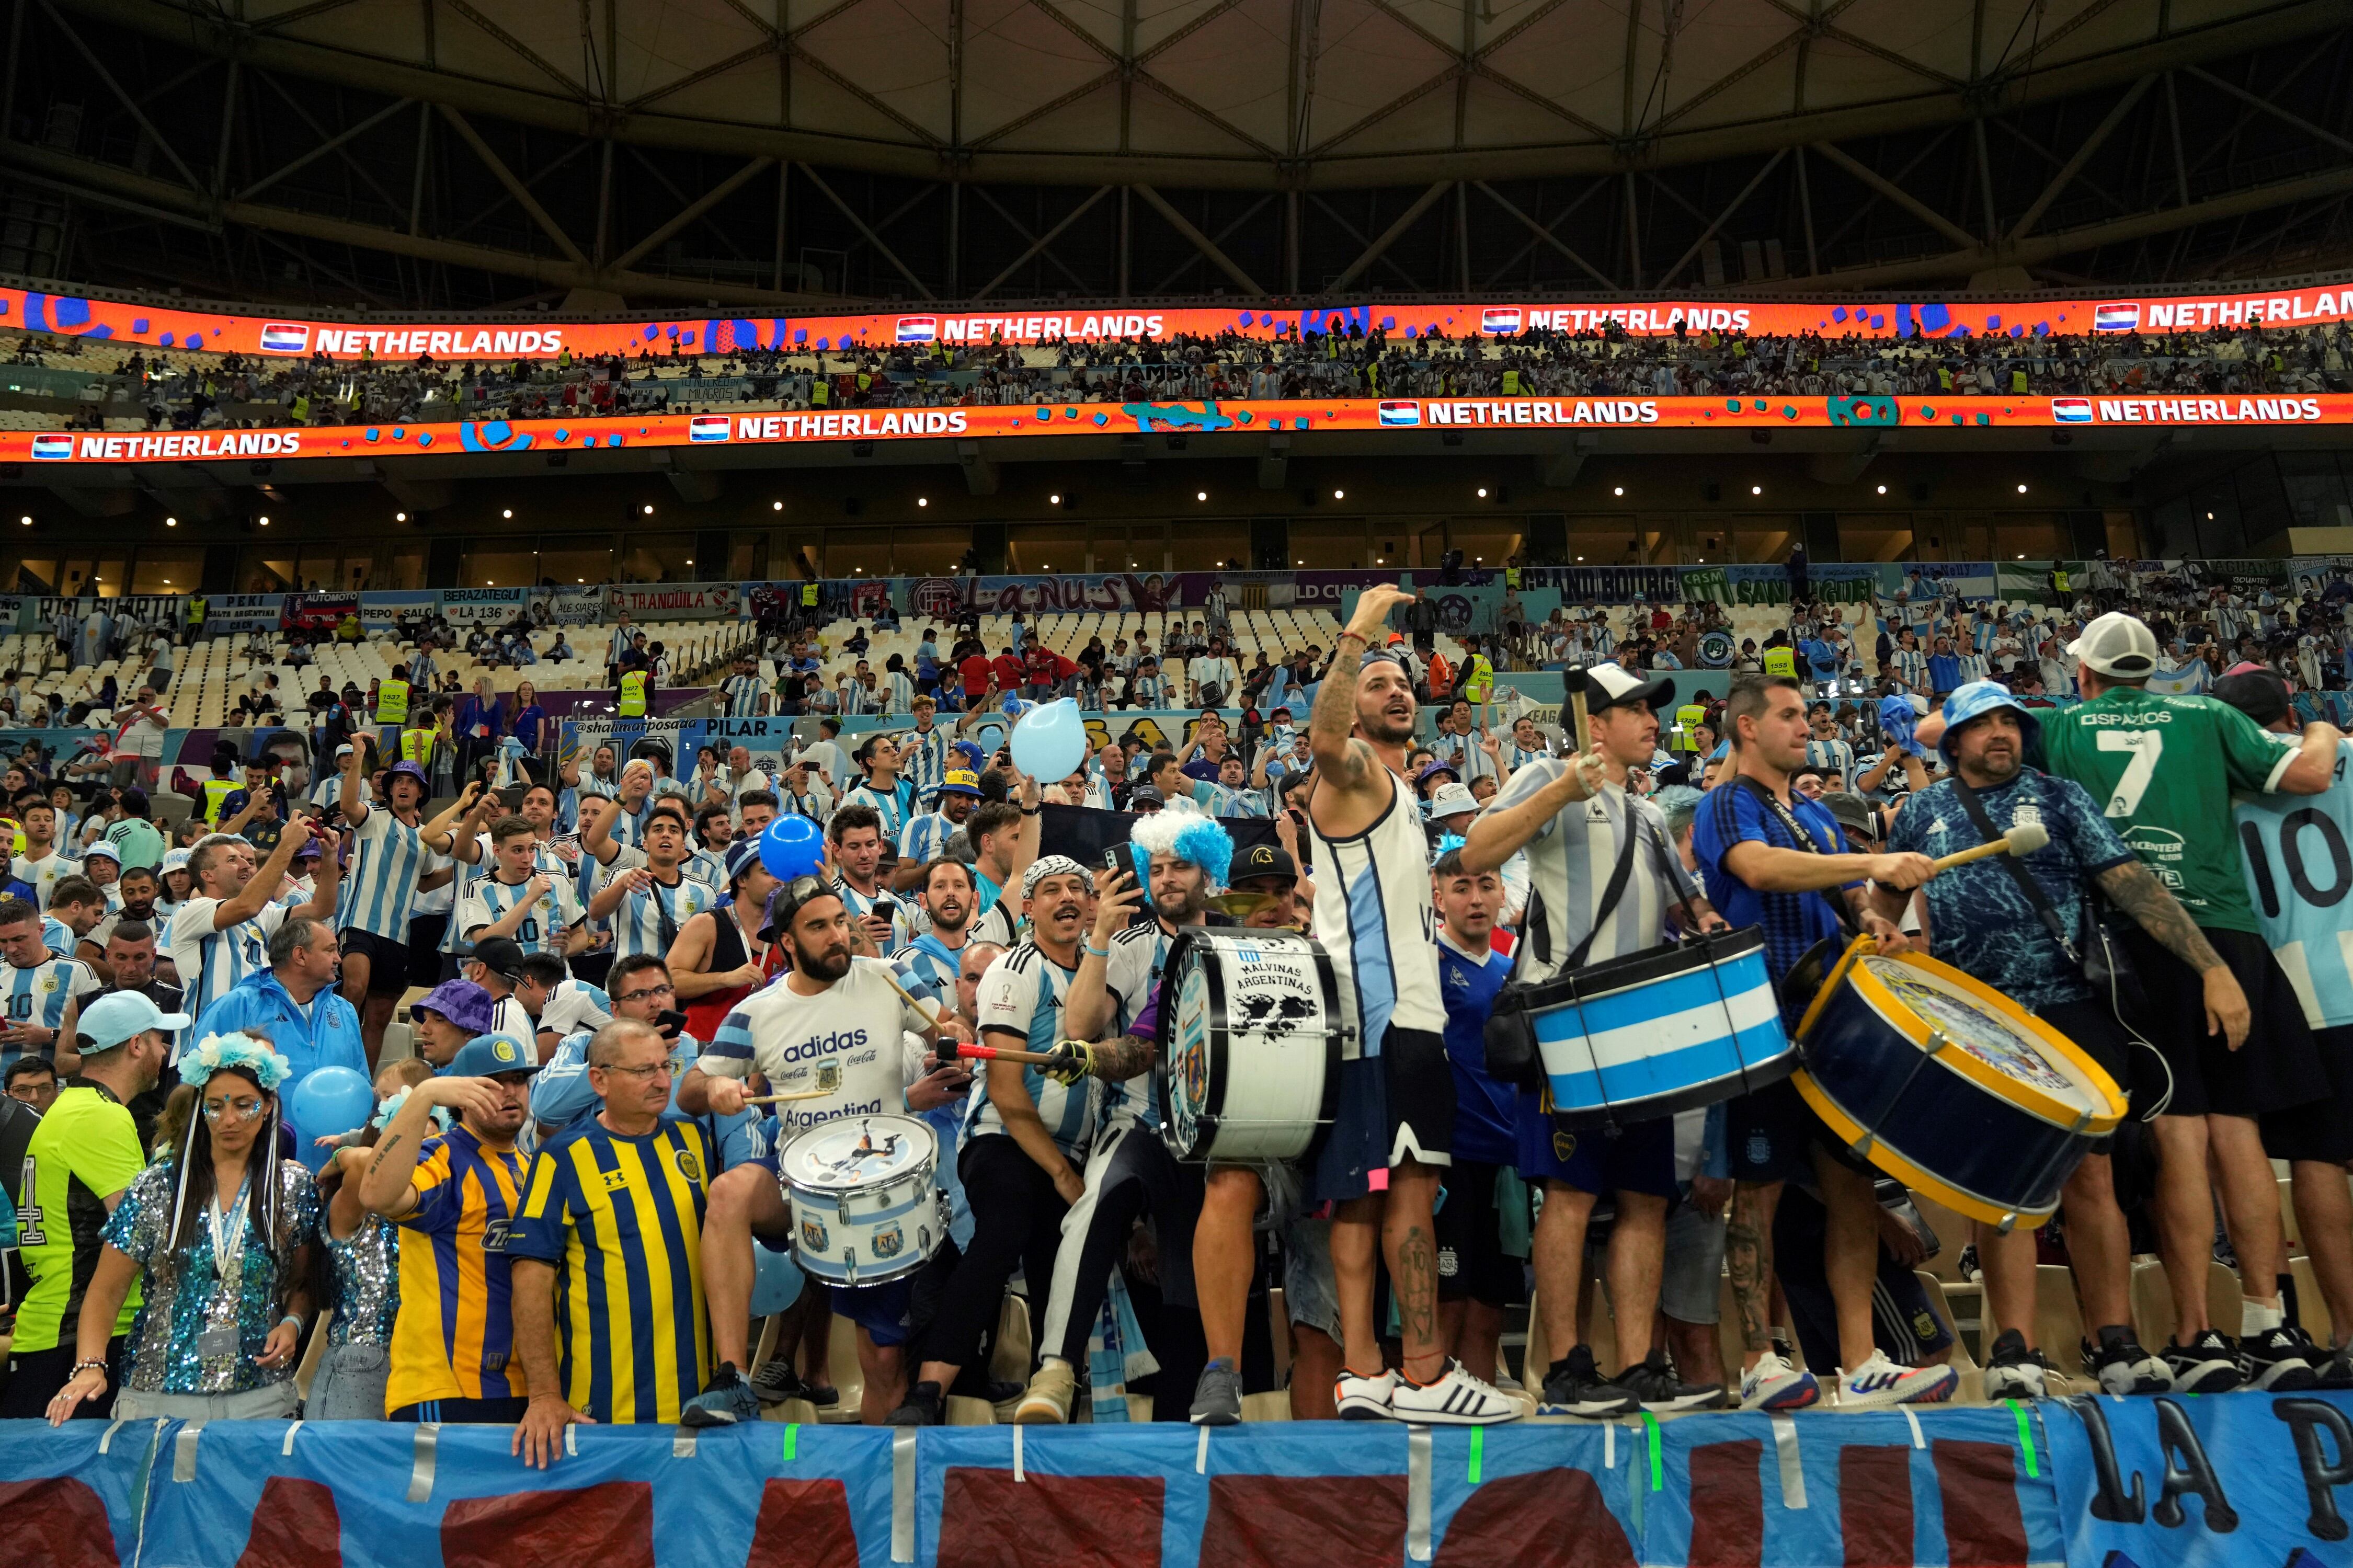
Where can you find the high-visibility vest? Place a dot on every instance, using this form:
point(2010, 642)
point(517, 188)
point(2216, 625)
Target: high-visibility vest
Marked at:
point(392, 700)
point(416, 746)
point(1512, 578)
point(821, 393)
point(633, 694)
point(1478, 679)
point(1780, 660)
point(808, 596)
point(1689, 717)
point(196, 612)
point(216, 792)
point(1511, 383)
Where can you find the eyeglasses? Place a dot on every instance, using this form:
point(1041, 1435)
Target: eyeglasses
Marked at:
point(650, 991)
point(232, 1109)
point(647, 1073)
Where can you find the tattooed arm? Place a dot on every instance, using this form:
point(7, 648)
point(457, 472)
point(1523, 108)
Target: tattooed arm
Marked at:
point(2133, 890)
point(386, 1187)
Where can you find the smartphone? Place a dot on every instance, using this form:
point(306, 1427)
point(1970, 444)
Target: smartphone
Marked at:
point(1115, 860)
point(670, 1022)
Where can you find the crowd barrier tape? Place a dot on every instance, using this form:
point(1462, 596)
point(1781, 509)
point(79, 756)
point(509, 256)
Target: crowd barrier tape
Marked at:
point(1470, 599)
point(453, 443)
point(2248, 1481)
point(150, 324)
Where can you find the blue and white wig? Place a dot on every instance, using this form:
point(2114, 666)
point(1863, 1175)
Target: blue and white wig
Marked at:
point(1183, 829)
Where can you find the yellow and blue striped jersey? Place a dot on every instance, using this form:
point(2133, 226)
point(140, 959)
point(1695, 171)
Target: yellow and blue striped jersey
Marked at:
point(455, 1336)
point(620, 1218)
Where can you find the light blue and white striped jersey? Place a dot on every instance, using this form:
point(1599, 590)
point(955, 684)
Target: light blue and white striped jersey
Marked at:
point(708, 867)
point(379, 892)
point(1375, 918)
point(648, 921)
point(1569, 866)
point(42, 875)
point(1138, 954)
point(860, 905)
point(58, 936)
point(931, 962)
point(1829, 756)
point(2298, 851)
point(743, 693)
point(1151, 690)
point(212, 962)
point(1022, 994)
point(924, 759)
point(38, 996)
point(1911, 668)
point(602, 789)
point(1520, 757)
point(485, 868)
point(543, 929)
point(893, 805)
point(925, 839)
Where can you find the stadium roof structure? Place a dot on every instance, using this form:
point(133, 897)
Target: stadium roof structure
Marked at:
point(777, 152)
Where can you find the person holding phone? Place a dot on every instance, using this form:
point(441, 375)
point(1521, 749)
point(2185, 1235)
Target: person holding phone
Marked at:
point(854, 841)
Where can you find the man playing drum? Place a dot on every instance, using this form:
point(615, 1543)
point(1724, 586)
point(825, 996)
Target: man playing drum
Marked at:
point(1981, 919)
point(1394, 1131)
point(1769, 859)
point(835, 1023)
point(1573, 817)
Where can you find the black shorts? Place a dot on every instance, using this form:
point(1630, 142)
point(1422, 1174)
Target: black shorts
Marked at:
point(387, 961)
point(2092, 1027)
point(1396, 1106)
point(1770, 1136)
point(2277, 1069)
point(2322, 1130)
point(1471, 1263)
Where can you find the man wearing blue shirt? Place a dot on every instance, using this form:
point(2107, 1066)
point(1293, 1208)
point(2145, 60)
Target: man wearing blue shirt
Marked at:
point(1477, 1279)
point(293, 1004)
point(1768, 858)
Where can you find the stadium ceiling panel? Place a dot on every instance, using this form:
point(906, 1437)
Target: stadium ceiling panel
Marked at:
point(790, 154)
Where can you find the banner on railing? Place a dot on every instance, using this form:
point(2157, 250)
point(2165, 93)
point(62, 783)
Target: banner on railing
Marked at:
point(481, 606)
point(676, 601)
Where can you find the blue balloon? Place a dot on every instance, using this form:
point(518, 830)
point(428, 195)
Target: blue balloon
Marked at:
point(327, 1103)
point(777, 1281)
point(1050, 742)
point(792, 847)
point(1015, 707)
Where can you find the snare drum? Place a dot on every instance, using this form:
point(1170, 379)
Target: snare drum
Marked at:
point(865, 1198)
point(1950, 1086)
point(1250, 1044)
point(1668, 1029)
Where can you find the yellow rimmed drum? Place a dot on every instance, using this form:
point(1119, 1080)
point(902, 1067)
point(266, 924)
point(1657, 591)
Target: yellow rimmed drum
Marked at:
point(1950, 1086)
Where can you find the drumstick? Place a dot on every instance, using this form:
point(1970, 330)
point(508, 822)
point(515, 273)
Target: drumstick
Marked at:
point(1006, 1054)
point(2023, 840)
point(781, 1098)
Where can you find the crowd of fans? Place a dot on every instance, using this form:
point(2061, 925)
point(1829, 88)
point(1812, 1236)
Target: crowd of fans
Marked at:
point(201, 390)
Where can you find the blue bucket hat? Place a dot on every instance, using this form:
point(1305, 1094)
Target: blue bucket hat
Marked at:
point(1977, 700)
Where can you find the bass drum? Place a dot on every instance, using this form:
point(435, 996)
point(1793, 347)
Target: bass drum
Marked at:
point(1250, 1044)
point(1950, 1086)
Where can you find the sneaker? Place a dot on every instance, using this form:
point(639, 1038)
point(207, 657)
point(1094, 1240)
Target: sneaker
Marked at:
point(1774, 1384)
point(823, 1394)
point(2127, 1367)
point(1452, 1398)
point(1047, 1403)
point(1576, 1387)
point(1655, 1387)
point(776, 1381)
point(1218, 1395)
point(727, 1401)
point(924, 1406)
point(1362, 1398)
point(2014, 1372)
point(1879, 1383)
point(1966, 1264)
point(2275, 1361)
point(2336, 1372)
point(2206, 1365)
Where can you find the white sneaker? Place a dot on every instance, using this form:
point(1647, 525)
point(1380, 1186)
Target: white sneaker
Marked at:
point(1774, 1384)
point(1452, 1398)
point(1361, 1398)
point(1879, 1383)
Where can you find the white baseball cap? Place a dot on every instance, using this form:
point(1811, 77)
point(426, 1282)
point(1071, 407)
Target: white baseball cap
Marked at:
point(1451, 800)
point(2117, 644)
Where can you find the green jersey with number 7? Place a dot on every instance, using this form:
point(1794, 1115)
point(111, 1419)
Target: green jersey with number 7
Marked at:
point(2163, 768)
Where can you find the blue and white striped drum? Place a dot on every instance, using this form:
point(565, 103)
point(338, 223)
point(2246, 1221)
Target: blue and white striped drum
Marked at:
point(1950, 1086)
point(1668, 1029)
point(866, 1203)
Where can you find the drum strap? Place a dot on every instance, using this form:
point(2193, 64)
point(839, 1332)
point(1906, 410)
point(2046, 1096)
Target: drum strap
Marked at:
point(1804, 840)
point(2033, 889)
point(1540, 928)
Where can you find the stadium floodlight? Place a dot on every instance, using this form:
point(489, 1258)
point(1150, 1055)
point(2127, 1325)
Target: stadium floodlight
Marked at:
point(922, 500)
point(170, 522)
point(507, 512)
point(1757, 490)
point(1339, 495)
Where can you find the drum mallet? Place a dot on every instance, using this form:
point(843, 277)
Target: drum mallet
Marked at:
point(781, 1098)
point(2023, 840)
point(1006, 1054)
point(1572, 681)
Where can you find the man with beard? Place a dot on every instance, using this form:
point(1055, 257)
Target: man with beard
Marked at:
point(925, 839)
point(720, 958)
point(891, 797)
point(222, 934)
point(1024, 1134)
point(1393, 1134)
point(379, 894)
point(946, 894)
point(140, 886)
point(1981, 919)
point(1184, 856)
point(454, 1198)
point(856, 834)
point(1573, 816)
point(835, 1022)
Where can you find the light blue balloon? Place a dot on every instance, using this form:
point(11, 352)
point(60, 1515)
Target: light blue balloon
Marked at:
point(328, 1103)
point(777, 1281)
point(1051, 741)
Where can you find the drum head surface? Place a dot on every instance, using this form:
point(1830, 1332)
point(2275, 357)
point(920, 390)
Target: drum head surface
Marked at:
point(859, 1152)
point(2002, 1041)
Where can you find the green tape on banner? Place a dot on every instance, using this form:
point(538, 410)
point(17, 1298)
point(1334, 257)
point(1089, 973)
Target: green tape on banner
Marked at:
point(1650, 1434)
point(1478, 1452)
point(792, 1441)
point(2025, 1438)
